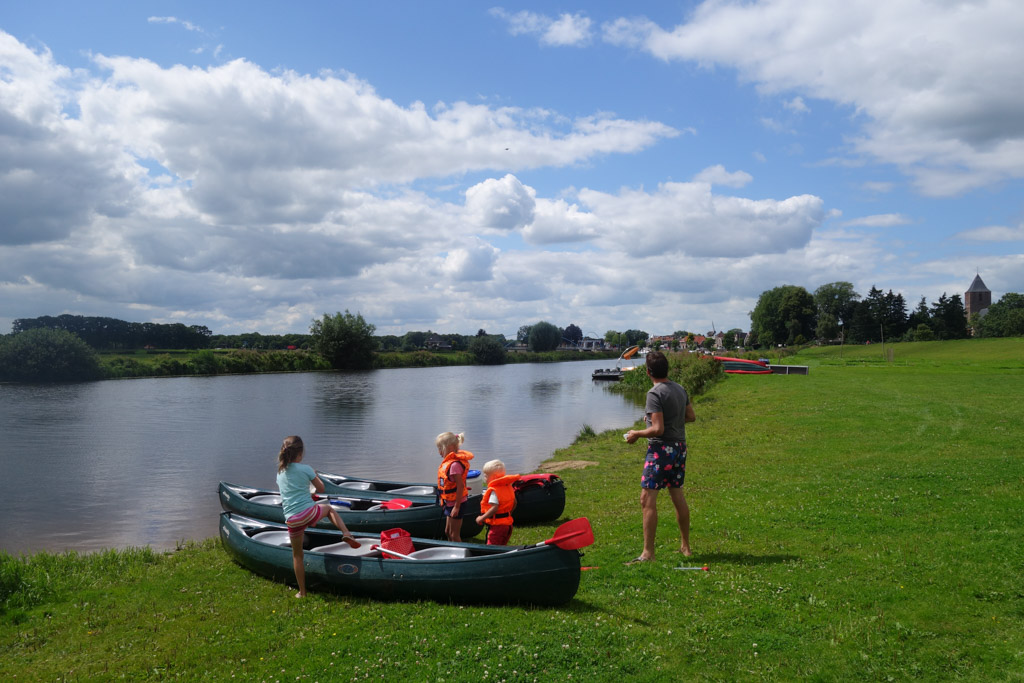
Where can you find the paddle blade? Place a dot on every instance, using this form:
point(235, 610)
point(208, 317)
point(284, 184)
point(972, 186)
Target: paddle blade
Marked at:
point(396, 504)
point(574, 534)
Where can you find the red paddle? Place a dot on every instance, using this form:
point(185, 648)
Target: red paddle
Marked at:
point(396, 504)
point(576, 533)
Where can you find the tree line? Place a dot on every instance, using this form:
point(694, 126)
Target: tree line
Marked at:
point(835, 312)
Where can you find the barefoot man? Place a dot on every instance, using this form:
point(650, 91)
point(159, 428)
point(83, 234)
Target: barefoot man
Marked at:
point(667, 411)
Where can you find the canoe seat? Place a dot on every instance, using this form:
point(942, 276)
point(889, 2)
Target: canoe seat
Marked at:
point(413, 491)
point(356, 485)
point(273, 538)
point(440, 554)
point(345, 550)
point(266, 499)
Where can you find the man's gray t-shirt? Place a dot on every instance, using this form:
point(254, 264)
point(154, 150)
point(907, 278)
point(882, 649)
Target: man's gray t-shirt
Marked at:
point(670, 399)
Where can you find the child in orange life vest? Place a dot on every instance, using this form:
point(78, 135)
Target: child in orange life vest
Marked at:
point(498, 503)
point(451, 481)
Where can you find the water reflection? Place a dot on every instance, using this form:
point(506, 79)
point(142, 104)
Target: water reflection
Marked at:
point(137, 462)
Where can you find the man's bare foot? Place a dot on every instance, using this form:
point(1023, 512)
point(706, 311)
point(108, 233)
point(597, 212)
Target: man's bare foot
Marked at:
point(685, 550)
point(640, 559)
point(300, 595)
point(353, 543)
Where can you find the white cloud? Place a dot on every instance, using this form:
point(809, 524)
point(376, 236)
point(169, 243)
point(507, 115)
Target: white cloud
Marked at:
point(797, 105)
point(174, 20)
point(567, 30)
point(505, 204)
point(717, 175)
point(884, 220)
point(908, 69)
point(686, 218)
point(993, 233)
point(472, 263)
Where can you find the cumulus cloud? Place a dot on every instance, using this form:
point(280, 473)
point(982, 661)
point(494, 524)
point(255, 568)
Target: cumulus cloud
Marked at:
point(505, 204)
point(54, 173)
point(566, 30)
point(472, 263)
point(687, 218)
point(913, 81)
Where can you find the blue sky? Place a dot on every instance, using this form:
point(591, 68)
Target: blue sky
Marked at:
point(455, 166)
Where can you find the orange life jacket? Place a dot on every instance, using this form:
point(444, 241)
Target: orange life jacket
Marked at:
point(506, 500)
point(446, 485)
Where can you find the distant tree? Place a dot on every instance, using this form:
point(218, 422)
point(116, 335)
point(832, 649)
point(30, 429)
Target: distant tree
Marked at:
point(920, 315)
point(948, 317)
point(413, 341)
point(523, 335)
point(708, 343)
point(730, 337)
point(782, 314)
point(389, 342)
point(834, 303)
point(345, 340)
point(573, 333)
point(487, 350)
point(1005, 318)
point(481, 332)
point(47, 355)
point(923, 333)
point(544, 337)
point(635, 337)
point(613, 337)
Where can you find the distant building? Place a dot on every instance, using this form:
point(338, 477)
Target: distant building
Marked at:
point(977, 298)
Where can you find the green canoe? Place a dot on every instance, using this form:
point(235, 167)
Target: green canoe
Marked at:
point(359, 514)
point(544, 574)
point(539, 497)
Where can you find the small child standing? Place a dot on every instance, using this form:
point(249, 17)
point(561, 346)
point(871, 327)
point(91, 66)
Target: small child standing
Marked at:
point(300, 511)
point(451, 481)
point(498, 503)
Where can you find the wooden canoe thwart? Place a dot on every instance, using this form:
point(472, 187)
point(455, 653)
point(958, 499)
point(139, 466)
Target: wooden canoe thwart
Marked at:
point(544, 574)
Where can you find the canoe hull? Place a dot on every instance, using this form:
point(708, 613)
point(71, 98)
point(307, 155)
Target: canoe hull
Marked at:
point(545, 575)
point(539, 498)
point(743, 366)
point(422, 519)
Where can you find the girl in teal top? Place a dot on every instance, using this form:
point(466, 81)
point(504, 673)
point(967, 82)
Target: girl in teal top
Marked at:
point(300, 510)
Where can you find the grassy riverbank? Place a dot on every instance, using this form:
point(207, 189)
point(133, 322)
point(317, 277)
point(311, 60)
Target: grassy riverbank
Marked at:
point(863, 522)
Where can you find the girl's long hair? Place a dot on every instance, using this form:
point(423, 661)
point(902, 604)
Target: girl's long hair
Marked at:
point(291, 450)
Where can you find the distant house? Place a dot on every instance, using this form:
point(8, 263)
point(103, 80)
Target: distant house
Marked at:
point(437, 343)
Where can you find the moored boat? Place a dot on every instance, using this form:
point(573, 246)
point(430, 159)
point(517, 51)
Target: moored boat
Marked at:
point(616, 373)
point(539, 497)
point(743, 366)
point(544, 574)
point(419, 518)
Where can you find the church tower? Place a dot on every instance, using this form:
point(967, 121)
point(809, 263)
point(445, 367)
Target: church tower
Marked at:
point(977, 298)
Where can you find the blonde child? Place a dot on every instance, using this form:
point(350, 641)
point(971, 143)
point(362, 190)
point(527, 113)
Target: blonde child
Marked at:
point(300, 511)
point(498, 502)
point(451, 481)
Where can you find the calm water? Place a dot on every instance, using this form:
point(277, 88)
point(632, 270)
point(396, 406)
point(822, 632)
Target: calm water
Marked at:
point(137, 462)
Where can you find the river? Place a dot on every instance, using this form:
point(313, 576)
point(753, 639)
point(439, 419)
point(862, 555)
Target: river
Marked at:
point(136, 462)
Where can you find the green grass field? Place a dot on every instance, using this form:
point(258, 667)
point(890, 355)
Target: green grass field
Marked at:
point(863, 522)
